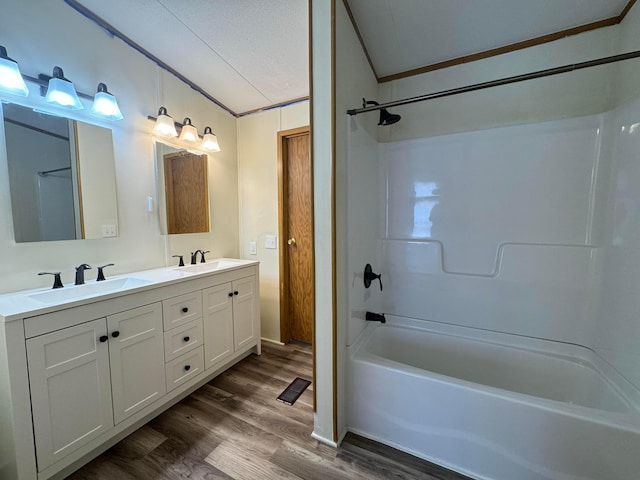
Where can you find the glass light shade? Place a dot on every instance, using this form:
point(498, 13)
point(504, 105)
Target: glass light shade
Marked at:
point(189, 133)
point(164, 126)
point(210, 141)
point(105, 105)
point(11, 80)
point(62, 92)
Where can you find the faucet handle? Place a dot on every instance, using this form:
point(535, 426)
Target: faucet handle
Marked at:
point(181, 262)
point(57, 283)
point(370, 275)
point(101, 273)
point(202, 259)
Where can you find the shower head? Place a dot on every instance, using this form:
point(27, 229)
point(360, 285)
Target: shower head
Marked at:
point(386, 118)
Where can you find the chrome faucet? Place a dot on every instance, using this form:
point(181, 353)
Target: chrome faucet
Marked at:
point(80, 273)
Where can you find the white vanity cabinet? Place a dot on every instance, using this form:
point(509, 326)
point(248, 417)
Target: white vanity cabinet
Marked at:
point(230, 319)
point(87, 378)
point(78, 377)
point(70, 389)
point(136, 354)
point(245, 324)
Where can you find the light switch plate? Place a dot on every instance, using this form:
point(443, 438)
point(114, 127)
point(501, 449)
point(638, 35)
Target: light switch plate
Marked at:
point(270, 241)
point(109, 231)
point(253, 248)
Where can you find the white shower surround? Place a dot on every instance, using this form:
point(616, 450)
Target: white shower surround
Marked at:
point(522, 234)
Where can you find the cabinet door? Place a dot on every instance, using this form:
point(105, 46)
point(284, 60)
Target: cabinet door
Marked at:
point(245, 319)
point(218, 324)
point(137, 359)
point(70, 389)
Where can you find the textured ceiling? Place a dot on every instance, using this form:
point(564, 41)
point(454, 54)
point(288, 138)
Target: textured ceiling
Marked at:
point(248, 54)
point(402, 35)
point(251, 54)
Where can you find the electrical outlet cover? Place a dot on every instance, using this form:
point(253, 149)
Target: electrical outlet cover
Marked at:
point(253, 248)
point(109, 231)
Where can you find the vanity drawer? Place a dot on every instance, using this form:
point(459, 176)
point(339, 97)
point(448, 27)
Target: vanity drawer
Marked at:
point(184, 368)
point(182, 339)
point(180, 310)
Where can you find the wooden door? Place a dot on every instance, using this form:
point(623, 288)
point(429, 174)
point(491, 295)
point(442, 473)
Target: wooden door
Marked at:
point(186, 192)
point(136, 353)
point(297, 308)
point(70, 389)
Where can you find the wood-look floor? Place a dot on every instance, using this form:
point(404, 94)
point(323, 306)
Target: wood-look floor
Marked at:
point(234, 428)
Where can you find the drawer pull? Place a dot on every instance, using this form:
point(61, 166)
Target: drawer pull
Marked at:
point(187, 367)
point(235, 292)
point(186, 339)
point(231, 294)
point(185, 309)
point(115, 334)
point(103, 338)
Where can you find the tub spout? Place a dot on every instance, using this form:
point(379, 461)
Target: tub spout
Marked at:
point(375, 317)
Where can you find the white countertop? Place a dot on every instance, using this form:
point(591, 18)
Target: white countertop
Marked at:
point(25, 303)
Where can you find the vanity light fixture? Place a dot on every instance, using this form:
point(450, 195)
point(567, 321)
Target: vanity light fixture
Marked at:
point(11, 80)
point(210, 141)
point(164, 126)
point(105, 104)
point(61, 91)
point(189, 133)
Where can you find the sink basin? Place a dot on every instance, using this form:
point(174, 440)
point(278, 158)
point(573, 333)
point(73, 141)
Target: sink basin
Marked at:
point(78, 292)
point(207, 267)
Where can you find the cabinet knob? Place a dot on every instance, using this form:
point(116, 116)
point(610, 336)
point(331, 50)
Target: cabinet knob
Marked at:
point(231, 294)
point(115, 334)
point(187, 367)
point(186, 339)
point(235, 292)
point(185, 309)
point(103, 338)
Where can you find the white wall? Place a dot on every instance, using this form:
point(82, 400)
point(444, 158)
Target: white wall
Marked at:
point(258, 179)
point(97, 178)
point(572, 94)
point(322, 138)
point(617, 337)
point(90, 55)
point(354, 80)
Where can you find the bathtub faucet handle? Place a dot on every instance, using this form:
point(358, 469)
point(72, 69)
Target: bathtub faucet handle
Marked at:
point(369, 276)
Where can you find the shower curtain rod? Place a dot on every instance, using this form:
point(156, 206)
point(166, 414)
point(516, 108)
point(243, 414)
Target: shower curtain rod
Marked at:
point(496, 83)
point(44, 173)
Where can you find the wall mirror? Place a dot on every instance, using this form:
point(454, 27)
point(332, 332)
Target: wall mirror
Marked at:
point(61, 177)
point(183, 190)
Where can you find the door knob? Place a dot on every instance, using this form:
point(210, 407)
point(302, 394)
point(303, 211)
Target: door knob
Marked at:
point(291, 241)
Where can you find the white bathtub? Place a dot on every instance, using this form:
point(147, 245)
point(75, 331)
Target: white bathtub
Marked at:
point(491, 405)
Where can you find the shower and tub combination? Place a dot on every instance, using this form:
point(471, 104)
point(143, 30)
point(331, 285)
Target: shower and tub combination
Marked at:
point(510, 259)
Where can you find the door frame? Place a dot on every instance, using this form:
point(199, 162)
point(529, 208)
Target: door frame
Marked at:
point(283, 209)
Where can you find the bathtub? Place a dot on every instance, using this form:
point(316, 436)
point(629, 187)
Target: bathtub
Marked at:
point(492, 405)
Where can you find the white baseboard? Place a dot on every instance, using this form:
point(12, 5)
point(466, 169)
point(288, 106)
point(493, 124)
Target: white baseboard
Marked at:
point(268, 340)
point(326, 441)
